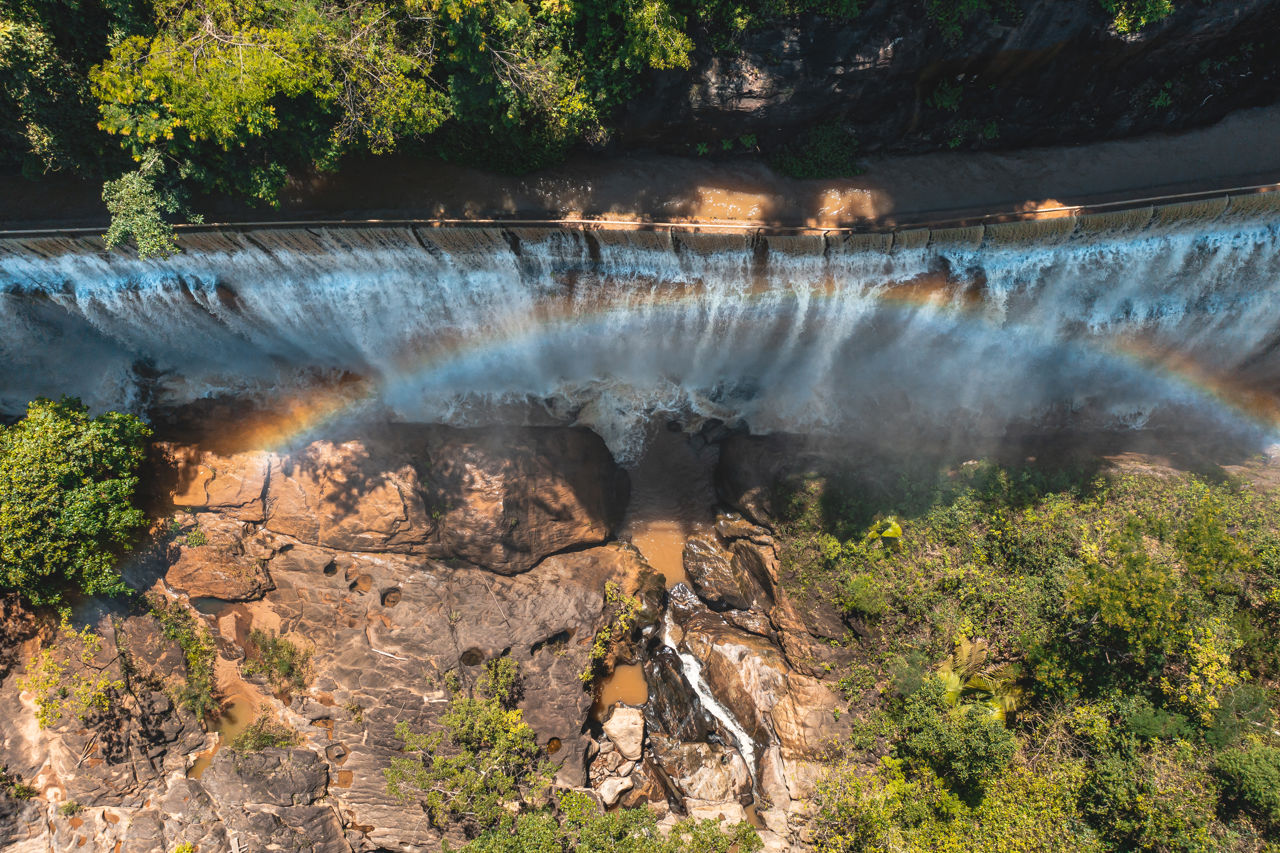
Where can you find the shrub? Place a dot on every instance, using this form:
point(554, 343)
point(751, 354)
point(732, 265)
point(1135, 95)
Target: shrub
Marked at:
point(139, 205)
point(863, 594)
point(284, 664)
point(964, 746)
point(69, 808)
point(16, 788)
point(67, 484)
point(1130, 16)
point(1154, 800)
point(578, 824)
point(887, 811)
point(177, 623)
point(824, 151)
point(65, 681)
point(263, 733)
point(482, 758)
point(1251, 781)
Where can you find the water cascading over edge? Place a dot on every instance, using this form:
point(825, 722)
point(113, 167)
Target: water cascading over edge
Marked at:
point(971, 329)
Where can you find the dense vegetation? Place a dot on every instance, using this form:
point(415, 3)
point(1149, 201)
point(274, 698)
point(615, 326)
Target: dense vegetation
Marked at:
point(171, 97)
point(67, 484)
point(283, 664)
point(1049, 659)
point(198, 692)
point(482, 770)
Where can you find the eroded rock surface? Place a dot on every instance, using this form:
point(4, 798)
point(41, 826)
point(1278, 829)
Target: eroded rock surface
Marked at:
point(402, 563)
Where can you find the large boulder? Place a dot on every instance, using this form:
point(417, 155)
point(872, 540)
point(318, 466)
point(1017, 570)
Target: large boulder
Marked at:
point(353, 496)
point(505, 499)
point(727, 579)
point(501, 500)
point(275, 777)
point(625, 727)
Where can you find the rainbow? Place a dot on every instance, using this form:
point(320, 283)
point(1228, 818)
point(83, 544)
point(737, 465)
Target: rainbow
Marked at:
point(299, 417)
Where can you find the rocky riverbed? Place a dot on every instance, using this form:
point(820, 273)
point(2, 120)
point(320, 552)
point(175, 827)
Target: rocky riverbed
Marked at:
point(403, 560)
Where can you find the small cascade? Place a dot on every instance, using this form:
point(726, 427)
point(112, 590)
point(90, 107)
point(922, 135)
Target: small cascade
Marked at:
point(692, 669)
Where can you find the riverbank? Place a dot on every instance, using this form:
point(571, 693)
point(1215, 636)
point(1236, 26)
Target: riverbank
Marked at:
point(1237, 152)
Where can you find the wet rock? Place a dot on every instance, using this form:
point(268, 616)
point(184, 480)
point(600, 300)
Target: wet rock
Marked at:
point(673, 707)
point(625, 727)
point(114, 756)
point(191, 816)
point(219, 571)
point(501, 499)
point(302, 829)
point(706, 772)
point(722, 579)
point(22, 825)
point(232, 486)
point(751, 677)
point(748, 473)
point(730, 526)
point(507, 498)
point(353, 496)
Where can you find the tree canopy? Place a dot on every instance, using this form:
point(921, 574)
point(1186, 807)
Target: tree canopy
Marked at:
point(67, 483)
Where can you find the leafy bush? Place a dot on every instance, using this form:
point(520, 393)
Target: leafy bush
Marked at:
point(578, 824)
point(887, 811)
point(66, 679)
point(285, 665)
point(622, 612)
point(264, 733)
point(966, 747)
point(1135, 609)
point(16, 788)
point(139, 205)
point(862, 594)
point(950, 16)
point(1251, 781)
point(67, 484)
point(825, 151)
point(197, 694)
point(1150, 801)
point(1130, 16)
point(483, 757)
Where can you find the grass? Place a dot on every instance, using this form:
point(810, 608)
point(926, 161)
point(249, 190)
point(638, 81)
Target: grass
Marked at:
point(178, 624)
point(284, 665)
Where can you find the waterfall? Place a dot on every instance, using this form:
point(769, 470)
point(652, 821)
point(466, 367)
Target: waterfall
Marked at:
point(1145, 318)
point(692, 669)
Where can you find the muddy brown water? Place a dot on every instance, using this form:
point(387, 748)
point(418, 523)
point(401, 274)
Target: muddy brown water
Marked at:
point(672, 496)
point(236, 715)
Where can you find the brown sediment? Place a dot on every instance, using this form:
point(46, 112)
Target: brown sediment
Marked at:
point(625, 684)
point(236, 714)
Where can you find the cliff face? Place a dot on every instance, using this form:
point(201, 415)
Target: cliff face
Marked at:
point(1041, 72)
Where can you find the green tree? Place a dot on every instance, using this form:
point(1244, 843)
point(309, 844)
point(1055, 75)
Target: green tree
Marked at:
point(965, 745)
point(578, 825)
point(483, 757)
point(139, 203)
point(67, 484)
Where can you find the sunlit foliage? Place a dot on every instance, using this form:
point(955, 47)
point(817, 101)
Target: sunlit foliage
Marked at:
point(67, 483)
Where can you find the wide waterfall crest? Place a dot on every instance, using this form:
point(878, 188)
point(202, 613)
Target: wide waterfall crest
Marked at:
point(563, 326)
